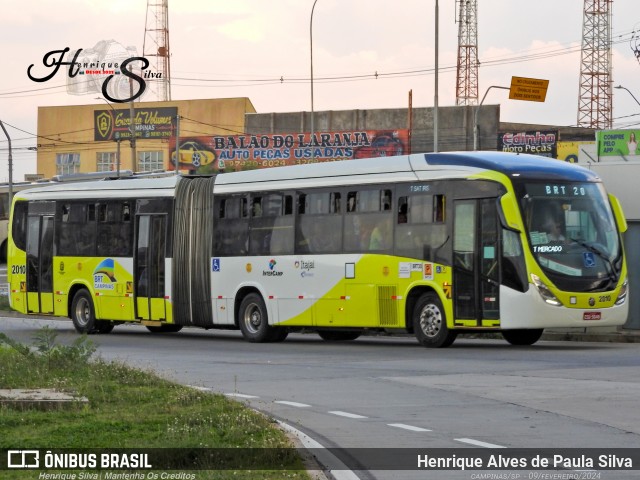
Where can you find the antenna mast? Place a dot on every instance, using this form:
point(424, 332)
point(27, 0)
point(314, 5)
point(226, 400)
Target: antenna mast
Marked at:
point(467, 71)
point(156, 45)
point(595, 98)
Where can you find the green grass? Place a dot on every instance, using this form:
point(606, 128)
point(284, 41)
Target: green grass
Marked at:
point(127, 408)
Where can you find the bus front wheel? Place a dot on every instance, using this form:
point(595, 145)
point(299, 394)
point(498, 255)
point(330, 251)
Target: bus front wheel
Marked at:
point(430, 322)
point(254, 321)
point(522, 337)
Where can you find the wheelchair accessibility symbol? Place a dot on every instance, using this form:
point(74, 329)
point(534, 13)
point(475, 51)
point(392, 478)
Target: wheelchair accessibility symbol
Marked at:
point(589, 259)
point(215, 264)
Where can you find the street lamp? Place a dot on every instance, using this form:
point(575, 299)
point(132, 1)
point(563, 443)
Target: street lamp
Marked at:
point(118, 139)
point(475, 115)
point(625, 88)
point(311, 49)
point(435, 84)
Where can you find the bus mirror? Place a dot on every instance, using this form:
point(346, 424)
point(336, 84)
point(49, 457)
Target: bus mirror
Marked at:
point(509, 216)
point(618, 213)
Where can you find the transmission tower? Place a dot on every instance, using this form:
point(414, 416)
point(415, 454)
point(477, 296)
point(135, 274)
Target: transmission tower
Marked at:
point(467, 72)
point(156, 47)
point(595, 98)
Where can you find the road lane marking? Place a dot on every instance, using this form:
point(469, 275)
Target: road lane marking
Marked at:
point(322, 455)
point(347, 414)
point(240, 395)
point(408, 427)
point(478, 443)
point(292, 404)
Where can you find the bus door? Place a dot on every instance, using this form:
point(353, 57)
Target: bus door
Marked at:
point(40, 263)
point(476, 266)
point(149, 265)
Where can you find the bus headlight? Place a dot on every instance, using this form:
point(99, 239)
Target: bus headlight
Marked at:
point(622, 296)
point(546, 294)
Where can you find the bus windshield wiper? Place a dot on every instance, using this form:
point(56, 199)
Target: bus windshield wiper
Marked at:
point(611, 271)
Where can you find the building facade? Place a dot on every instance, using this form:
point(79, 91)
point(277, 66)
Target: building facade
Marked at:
point(97, 138)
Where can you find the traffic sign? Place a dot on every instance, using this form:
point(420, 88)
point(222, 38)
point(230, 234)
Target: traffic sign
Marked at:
point(528, 89)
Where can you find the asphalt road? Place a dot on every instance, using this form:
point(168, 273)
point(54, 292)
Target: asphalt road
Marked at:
point(391, 392)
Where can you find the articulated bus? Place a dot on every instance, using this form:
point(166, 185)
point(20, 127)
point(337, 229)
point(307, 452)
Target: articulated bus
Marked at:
point(429, 244)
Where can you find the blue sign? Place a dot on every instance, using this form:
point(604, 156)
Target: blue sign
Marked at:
point(589, 259)
point(215, 264)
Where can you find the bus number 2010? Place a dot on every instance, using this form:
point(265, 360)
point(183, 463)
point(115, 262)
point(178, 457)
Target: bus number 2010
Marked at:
point(18, 269)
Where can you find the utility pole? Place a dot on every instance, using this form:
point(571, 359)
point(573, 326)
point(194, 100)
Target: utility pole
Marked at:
point(132, 127)
point(177, 145)
point(10, 164)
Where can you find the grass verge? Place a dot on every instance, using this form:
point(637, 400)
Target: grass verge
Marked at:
point(128, 409)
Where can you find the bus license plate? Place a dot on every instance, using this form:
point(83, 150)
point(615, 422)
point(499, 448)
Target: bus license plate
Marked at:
point(591, 316)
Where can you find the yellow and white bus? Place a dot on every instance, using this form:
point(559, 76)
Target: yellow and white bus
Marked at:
point(430, 244)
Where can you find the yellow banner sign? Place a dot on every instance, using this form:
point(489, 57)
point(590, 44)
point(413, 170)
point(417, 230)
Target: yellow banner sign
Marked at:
point(528, 89)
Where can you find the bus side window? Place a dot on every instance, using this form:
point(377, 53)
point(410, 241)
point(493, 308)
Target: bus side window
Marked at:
point(336, 202)
point(19, 225)
point(231, 227)
point(319, 227)
point(369, 227)
point(438, 208)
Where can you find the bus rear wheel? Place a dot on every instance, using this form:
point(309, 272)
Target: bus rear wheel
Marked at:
point(254, 321)
point(522, 337)
point(430, 322)
point(83, 313)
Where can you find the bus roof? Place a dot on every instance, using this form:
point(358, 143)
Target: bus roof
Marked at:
point(413, 167)
point(416, 166)
point(522, 165)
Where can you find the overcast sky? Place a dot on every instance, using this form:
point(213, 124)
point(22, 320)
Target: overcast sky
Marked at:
point(242, 48)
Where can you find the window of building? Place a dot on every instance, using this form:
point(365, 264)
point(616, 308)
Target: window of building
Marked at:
point(67, 163)
point(106, 161)
point(150, 161)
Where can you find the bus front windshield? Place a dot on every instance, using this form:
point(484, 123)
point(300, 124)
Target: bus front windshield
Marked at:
point(572, 234)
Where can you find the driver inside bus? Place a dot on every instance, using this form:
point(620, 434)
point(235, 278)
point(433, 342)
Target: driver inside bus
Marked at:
point(553, 227)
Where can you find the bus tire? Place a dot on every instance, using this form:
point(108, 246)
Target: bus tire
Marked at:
point(254, 321)
point(164, 328)
point(338, 335)
point(83, 313)
point(430, 322)
point(523, 336)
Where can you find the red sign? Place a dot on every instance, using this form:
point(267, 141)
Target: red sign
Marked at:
point(240, 152)
point(591, 316)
